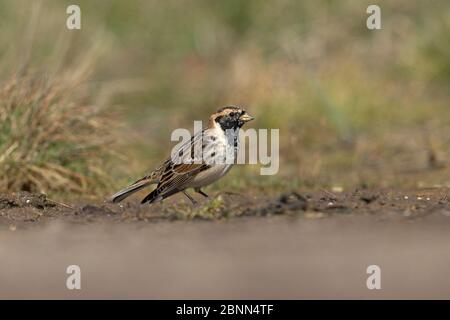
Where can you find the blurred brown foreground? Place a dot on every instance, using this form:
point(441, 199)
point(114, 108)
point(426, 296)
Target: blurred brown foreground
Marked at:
point(297, 254)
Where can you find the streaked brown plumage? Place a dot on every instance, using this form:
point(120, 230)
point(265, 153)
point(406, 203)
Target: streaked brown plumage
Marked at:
point(179, 172)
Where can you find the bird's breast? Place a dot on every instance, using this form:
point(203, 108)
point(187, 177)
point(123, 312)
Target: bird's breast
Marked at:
point(210, 175)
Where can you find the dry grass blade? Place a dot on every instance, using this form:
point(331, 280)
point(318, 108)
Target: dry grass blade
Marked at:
point(51, 136)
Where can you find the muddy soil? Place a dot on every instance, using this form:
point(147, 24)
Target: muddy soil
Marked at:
point(294, 245)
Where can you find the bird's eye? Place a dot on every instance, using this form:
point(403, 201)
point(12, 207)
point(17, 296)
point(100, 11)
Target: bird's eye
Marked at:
point(232, 114)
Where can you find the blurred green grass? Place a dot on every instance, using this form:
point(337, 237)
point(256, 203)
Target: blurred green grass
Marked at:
point(355, 107)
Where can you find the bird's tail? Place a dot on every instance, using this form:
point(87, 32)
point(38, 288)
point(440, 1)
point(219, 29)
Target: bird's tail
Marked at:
point(138, 185)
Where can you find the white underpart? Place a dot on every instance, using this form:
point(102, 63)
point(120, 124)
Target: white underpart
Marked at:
point(216, 145)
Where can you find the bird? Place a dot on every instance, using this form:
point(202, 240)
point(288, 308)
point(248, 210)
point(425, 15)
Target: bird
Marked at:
point(204, 159)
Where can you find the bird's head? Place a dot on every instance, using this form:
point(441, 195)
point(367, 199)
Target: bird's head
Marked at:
point(230, 117)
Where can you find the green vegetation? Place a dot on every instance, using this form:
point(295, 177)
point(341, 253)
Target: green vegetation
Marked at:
point(355, 107)
point(50, 137)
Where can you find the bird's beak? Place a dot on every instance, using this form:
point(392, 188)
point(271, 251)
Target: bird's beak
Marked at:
point(246, 117)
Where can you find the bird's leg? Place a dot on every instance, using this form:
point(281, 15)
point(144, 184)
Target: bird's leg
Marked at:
point(190, 198)
point(201, 192)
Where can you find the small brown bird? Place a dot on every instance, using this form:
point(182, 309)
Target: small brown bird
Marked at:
point(197, 163)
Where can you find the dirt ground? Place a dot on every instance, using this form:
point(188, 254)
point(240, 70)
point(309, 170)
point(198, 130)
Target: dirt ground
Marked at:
point(296, 245)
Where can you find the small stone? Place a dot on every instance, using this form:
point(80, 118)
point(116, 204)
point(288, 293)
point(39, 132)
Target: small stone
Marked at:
point(368, 197)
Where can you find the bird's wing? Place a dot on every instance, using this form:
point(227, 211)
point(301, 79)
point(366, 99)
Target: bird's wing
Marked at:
point(179, 175)
point(174, 179)
point(183, 165)
point(190, 151)
point(186, 153)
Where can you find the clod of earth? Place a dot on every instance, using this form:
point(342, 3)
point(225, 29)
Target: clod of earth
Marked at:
point(25, 199)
